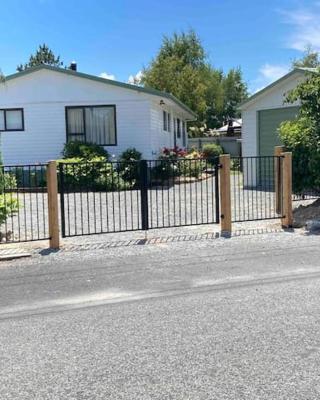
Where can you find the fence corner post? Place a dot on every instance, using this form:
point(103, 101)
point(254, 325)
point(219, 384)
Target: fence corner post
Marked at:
point(225, 195)
point(53, 209)
point(278, 150)
point(287, 215)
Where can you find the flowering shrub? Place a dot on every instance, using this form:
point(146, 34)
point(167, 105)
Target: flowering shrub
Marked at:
point(172, 154)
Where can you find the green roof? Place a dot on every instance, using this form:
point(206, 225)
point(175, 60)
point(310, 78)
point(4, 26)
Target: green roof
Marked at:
point(275, 83)
point(105, 81)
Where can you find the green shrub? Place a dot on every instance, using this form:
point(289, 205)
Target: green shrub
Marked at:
point(8, 207)
point(94, 174)
point(164, 170)
point(211, 151)
point(8, 181)
point(236, 164)
point(86, 151)
point(297, 136)
point(129, 165)
point(191, 168)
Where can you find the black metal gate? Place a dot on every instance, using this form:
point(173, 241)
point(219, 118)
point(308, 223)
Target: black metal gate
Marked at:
point(256, 186)
point(108, 197)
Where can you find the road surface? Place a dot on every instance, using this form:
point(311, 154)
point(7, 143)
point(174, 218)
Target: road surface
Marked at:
point(212, 319)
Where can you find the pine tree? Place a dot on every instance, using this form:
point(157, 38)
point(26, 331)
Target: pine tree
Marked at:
point(44, 55)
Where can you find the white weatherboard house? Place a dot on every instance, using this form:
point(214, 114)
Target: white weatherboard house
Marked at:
point(44, 107)
point(263, 112)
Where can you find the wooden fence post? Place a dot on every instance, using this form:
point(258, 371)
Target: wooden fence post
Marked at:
point(278, 150)
point(53, 209)
point(287, 220)
point(225, 194)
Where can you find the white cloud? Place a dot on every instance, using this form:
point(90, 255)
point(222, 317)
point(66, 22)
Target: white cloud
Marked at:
point(135, 79)
point(268, 73)
point(306, 27)
point(107, 76)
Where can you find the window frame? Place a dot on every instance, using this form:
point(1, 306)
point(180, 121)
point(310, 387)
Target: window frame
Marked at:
point(179, 128)
point(5, 119)
point(164, 121)
point(168, 122)
point(184, 133)
point(83, 107)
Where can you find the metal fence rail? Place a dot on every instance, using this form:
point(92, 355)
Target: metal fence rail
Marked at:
point(23, 203)
point(253, 188)
point(109, 197)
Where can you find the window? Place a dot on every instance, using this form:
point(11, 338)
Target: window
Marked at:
point(169, 122)
point(165, 121)
point(178, 128)
point(92, 124)
point(184, 134)
point(11, 119)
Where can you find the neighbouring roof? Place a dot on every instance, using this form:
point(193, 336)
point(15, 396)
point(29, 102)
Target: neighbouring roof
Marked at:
point(129, 86)
point(236, 123)
point(297, 71)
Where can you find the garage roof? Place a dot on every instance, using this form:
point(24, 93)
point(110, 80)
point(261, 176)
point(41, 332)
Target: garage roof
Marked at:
point(295, 71)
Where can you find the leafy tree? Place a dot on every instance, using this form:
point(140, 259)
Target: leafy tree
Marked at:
point(302, 135)
point(178, 69)
point(181, 67)
point(44, 55)
point(310, 59)
point(234, 92)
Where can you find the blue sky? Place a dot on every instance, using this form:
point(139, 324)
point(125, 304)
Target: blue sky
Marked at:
point(117, 38)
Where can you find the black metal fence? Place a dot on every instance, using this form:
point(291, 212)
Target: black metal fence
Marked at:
point(253, 188)
point(104, 197)
point(23, 203)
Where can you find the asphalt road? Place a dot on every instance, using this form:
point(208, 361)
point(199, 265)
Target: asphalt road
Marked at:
point(212, 319)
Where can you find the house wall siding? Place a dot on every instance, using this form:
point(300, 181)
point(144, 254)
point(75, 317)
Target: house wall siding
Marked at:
point(45, 95)
point(159, 137)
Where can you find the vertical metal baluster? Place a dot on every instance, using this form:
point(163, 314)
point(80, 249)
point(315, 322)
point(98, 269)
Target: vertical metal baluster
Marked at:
point(112, 193)
point(184, 163)
point(11, 199)
point(179, 186)
point(125, 206)
point(207, 194)
point(43, 179)
point(174, 193)
point(37, 198)
point(168, 191)
point(162, 182)
point(100, 197)
point(94, 192)
point(150, 197)
point(19, 202)
point(75, 201)
point(107, 194)
point(119, 198)
point(30, 197)
point(191, 219)
point(131, 189)
point(86, 188)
